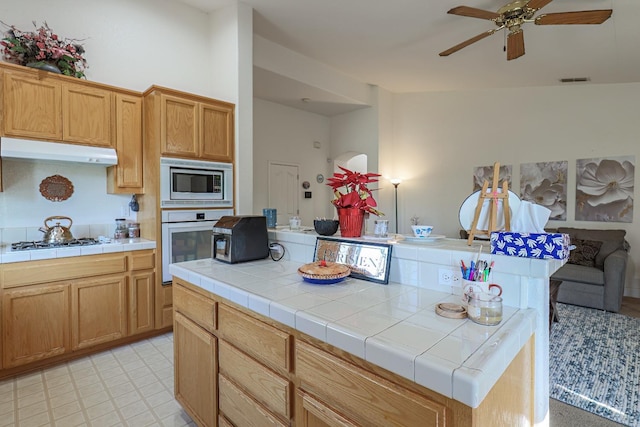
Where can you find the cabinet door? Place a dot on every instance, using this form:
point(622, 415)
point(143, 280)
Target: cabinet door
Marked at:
point(99, 313)
point(179, 126)
point(216, 132)
point(35, 323)
point(195, 364)
point(313, 413)
point(32, 107)
point(141, 302)
point(126, 176)
point(86, 113)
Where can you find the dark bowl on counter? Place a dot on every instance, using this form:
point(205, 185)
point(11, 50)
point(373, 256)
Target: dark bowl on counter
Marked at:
point(326, 227)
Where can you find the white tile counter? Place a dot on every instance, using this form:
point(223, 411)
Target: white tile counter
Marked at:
point(8, 256)
point(393, 326)
point(525, 282)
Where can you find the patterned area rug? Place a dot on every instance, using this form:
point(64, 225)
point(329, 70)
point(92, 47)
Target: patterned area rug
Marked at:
point(595, 363)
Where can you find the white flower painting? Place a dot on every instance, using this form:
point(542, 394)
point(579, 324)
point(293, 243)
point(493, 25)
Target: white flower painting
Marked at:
point(604, 189)
point(546, 184)
point(482, 173)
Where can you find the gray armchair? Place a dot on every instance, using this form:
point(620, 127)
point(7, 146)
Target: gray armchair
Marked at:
point(601, 285)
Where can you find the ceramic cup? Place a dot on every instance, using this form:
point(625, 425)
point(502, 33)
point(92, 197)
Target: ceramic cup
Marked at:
point(470, 288)
point(422, 231)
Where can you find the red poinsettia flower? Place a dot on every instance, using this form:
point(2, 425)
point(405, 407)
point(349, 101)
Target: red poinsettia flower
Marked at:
point(351, 191)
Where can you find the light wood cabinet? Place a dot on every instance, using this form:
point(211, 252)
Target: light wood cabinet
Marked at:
point(141, 302)
point(216, 131)
point(98, 311)
point(191, 126)
point(320, 386)
point(35, 323)
point(127, 176)
point(32, 106)
point(45, 106)
point(55, 308)
point(86, 115)
point(310, 412)
point(195, 353)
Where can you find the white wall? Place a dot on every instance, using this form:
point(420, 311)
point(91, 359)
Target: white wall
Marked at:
point(287, 135)
point(440, 137)
point(130, 44)
point(135, 44)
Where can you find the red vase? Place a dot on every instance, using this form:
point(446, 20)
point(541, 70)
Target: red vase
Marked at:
point(350, 221)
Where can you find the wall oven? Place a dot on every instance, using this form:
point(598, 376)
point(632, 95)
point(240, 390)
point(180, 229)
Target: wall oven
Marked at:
point(186, 236)
point(195, 184)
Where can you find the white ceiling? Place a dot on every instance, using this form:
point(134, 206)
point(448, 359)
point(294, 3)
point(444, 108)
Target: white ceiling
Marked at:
point(394, 44)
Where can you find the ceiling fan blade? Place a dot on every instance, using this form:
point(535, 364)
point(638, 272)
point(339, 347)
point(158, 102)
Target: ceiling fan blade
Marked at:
point(472, 12)
point(570, 18)
point(515, 45)
point(468, 42)
point(538, 4)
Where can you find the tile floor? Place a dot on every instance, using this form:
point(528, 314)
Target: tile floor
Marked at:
point(130, 385)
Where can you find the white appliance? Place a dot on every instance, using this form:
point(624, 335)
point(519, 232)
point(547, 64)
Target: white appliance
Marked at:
point(186, 236)
point(195, 184)
point(42, 150)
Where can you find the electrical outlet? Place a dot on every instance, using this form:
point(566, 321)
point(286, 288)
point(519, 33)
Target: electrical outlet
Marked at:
point(450, 277)
point(456, 279)
point(445, 276)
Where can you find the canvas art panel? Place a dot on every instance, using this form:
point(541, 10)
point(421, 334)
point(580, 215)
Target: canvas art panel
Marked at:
point(482, 173)
point(545, 183)
point(604, 189)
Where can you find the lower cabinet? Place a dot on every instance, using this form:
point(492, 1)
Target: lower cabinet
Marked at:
point(195, 361)
point(35, 324)
point(270, 375)
point(89, 301)
point(98, 311)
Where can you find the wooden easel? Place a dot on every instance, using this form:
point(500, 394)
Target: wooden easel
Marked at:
point(495, 198)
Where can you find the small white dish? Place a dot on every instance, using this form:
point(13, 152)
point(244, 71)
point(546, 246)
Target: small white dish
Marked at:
point(431, 238)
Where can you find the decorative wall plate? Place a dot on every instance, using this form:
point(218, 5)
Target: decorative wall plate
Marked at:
point(320, 178)
point(56, 188)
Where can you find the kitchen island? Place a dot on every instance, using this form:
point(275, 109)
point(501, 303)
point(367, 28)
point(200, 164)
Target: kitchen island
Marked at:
point(393, 328)
point(351, 353)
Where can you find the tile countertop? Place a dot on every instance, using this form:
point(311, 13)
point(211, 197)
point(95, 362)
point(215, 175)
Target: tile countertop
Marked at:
point(8, 256)
point(393, 326)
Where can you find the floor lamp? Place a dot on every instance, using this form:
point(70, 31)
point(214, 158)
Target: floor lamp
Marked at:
point(396, 182)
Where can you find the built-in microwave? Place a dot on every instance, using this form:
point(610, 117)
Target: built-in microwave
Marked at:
point(195, 183)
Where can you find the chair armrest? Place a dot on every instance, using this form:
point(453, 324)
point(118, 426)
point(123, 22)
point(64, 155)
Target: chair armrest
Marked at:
point(615, 267)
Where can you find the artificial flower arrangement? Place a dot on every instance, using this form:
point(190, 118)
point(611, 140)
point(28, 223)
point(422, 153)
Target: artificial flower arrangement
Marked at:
point(43, 46)
point(351, 191)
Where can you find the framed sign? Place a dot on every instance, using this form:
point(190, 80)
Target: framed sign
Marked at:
point(367, 261)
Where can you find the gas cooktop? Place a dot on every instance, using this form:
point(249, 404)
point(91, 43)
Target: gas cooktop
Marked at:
point(28, 246)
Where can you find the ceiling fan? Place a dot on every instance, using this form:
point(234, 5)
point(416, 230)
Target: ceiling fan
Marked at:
point(511, 16)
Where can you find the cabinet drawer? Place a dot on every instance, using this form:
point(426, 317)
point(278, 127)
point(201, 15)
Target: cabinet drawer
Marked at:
point(196, 307)
point(264, 385)
point(264, 342)
point(241, 409)
point(363, 396)
point(57, 269)
point(312, 413)
point(142, 260)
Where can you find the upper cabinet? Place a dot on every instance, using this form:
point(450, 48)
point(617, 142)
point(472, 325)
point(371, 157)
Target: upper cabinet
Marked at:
point(43, 106)
point(86, 114)
point(126, 177)
point(32, 106)
point(191, 126)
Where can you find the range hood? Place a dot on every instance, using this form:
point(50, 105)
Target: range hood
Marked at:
point(41, 150)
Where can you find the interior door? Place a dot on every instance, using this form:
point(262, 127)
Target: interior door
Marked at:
point(283, 190)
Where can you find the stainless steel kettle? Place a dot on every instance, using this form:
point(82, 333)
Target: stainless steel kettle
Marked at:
point(57, 233)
